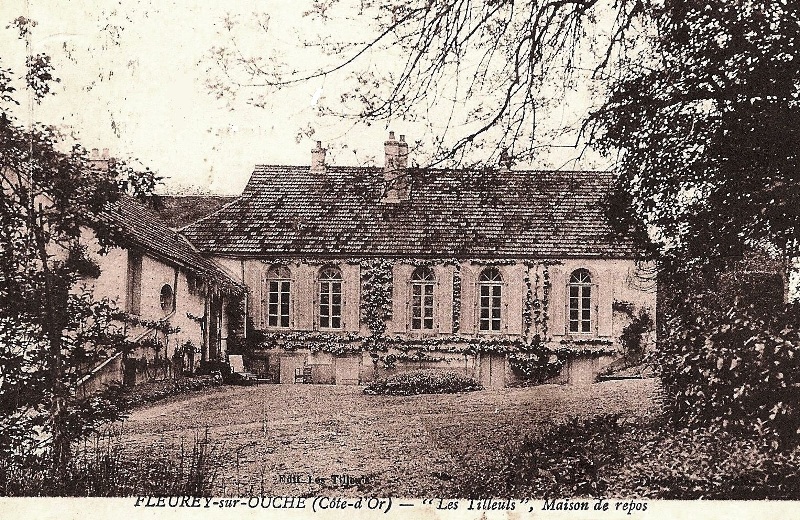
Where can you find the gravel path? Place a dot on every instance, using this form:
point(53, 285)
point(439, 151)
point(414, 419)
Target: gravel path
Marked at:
point(388, 446)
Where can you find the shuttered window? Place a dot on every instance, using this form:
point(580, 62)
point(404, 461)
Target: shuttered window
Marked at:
point(490, 290)
point(423, 284)
point(330, 298)
point(580, 302)
point(279, 287)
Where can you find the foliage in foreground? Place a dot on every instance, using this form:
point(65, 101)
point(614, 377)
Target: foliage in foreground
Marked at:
point(733, 370)
point(107, 467)
point(564, 461)
point(611, 456)
point(423, 382)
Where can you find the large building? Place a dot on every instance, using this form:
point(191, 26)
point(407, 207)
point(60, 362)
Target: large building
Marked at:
point(356, 271)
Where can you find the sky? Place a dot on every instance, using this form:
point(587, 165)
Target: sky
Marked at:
point(134, 80)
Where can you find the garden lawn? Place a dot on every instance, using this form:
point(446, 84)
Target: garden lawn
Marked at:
point(414, 446)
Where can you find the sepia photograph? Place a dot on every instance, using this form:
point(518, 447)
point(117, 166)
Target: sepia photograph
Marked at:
point(466, 258)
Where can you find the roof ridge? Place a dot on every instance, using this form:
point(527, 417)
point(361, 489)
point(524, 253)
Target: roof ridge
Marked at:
point(235, 199)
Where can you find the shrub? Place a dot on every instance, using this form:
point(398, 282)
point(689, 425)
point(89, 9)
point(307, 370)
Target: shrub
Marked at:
point(567, 460)
point(736, 371)
point(150, 392)
point(535, 368)
point(423, 382)
point(633, 337)
point(687, 464)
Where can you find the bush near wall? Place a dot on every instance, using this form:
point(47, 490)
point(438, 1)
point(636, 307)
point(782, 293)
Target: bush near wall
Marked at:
point(423, 382)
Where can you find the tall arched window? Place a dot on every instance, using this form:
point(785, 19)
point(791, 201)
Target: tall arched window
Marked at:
point(422, 287)
point(580, 301)
point(279, 286)
point(330, 298)
point(490, 284)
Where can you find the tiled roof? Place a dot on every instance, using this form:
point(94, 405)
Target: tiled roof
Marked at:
point(288, 210)
point(141, 227)
point(178, 211)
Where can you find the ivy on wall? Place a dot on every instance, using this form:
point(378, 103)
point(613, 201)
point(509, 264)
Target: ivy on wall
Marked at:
point(457, 298)
point(528, 354)
point(376, 299)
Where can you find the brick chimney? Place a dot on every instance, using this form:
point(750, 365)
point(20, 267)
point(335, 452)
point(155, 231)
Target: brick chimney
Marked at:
point(97, 161)
point(318, 158)
point(396, 182)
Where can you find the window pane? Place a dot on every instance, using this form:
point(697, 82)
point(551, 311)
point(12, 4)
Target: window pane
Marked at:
point(337, 299)
point(573, 314)
point(416, 289)
point(324, 322)
point(585, 314)
point(484, 312)
point(429, 290)
point(416, 311)
point(496, 325)
point(573, 291)
point(587, 292)
point(586, 327)
point(336, 322)
point(284, 321)
point(484, 325)
point(484, 290)
point(415, 323)
point(496, 313)
point(496, 290)
point(429, 323)
point(573, 326)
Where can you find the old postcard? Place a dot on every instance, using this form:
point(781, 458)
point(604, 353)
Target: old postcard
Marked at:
point(442, 259)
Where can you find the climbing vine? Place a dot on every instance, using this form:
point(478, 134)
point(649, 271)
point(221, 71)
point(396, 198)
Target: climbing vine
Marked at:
point(457, 298)
point(376, 298)
point(530, 307)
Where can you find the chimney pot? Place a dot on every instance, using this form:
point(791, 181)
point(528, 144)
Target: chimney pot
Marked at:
point(105, 153)
point(394, 174)
point(318, 158)
point(95, 153)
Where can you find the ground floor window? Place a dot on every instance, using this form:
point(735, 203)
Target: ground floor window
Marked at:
point(279, 285)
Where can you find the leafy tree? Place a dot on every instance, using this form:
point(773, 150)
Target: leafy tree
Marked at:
point(48, 327)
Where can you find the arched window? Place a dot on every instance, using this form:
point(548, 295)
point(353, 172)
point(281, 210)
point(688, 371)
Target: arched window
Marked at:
point(490, 284)
point(422, 287)
point(330, 298)
point(580, 301)
point(279, 285)
point(167, 298)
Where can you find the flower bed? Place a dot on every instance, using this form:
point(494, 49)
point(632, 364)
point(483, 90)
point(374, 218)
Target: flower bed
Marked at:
point(423, 382)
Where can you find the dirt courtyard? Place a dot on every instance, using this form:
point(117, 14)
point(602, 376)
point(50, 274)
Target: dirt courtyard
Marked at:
point(323, 439)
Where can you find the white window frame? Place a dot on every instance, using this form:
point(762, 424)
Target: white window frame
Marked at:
point(581, 281)
point(423, 281)
point(281, 277)
point(495, 283)
point(329, 278)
